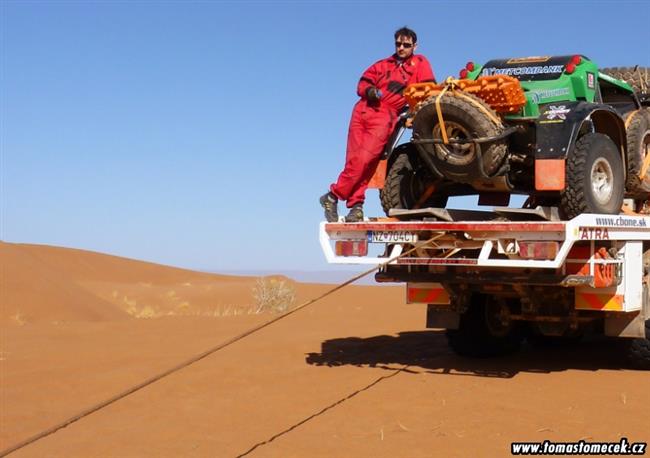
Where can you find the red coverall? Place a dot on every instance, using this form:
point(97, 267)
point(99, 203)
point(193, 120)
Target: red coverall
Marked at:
point(372, 123)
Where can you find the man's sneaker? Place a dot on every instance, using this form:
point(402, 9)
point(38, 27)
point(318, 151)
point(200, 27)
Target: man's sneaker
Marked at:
point(329, 203)
point(355, 215)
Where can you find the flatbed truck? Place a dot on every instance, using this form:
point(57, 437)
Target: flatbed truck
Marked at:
point(493, 279)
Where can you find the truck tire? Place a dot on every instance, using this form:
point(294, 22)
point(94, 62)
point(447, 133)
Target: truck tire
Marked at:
point(638, 350)
point(637, 77)
point(480, 334)
point(594, 177)
point(638, 150)
point(463, 119)
point(405, 184)
point(638, 131)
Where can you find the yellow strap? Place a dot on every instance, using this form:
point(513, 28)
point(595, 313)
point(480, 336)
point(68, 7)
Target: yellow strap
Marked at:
point(441, 121)
point(452, 84)
point(489, 114)
point(425, 195)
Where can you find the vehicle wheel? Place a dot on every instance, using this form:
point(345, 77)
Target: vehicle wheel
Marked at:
point(406, 187)
point(638, 350)
point(594, 177)
point(485, 330)
point(638, 154)
point(637, 77)
point(463, 120)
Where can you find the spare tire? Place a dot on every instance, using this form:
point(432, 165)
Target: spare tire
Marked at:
point(637, 77)
point(638, 151)
point(463, 119)
point(638, 350)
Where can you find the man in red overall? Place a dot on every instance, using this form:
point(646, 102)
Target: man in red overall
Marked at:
point(373, 119)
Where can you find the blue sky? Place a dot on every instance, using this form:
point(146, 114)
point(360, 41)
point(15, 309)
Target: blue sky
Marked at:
point(200, 134)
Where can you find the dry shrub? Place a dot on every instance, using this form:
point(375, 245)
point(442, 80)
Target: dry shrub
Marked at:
point(19, 319)
point(272, 295)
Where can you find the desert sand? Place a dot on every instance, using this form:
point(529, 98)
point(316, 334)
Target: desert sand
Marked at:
point(355, 374)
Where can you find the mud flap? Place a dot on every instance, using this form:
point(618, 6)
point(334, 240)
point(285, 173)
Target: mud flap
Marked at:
point(550, 174)
point(625, 325)
point(378, 179)
point(445, 319)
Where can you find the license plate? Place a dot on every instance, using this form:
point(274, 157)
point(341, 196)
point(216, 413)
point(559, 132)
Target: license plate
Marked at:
point(392, 237)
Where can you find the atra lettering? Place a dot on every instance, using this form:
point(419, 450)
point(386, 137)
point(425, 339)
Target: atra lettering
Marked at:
point(594, 233)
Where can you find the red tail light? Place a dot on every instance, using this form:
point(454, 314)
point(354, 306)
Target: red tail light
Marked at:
point(351, 247)
point(463, 73)
point(470, 66)
point(570, 68)
point(576, 60)
point(538, 250)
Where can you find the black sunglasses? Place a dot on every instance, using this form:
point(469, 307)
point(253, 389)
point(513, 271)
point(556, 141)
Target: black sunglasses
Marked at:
point(404, 45)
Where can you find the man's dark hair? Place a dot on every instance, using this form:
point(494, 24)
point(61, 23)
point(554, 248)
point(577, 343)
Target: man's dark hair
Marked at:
point(406, 32)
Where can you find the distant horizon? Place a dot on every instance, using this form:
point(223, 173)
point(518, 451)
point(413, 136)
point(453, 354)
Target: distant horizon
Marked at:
point(334, 276)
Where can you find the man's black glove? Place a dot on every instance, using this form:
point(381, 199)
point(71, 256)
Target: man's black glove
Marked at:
point(396, 87)
point(373, 94)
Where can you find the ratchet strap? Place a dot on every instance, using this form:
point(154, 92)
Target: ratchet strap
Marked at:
point(451, 85)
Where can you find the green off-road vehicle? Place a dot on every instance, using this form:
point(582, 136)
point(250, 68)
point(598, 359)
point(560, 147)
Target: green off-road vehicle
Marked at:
point(554, 128)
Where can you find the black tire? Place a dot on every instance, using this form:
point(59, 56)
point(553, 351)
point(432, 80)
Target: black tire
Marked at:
point(638, 149)
point(637, 77)
point(593, 156)
point(638, 350)
point(463, 119)
point(405, 184)
point(480, 334)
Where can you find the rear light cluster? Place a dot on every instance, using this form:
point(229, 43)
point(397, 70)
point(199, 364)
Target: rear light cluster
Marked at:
point(573, 63)
point(465, 71)
point(351, 247)
point(539, 250)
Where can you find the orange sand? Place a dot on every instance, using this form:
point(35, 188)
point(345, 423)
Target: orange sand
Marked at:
point(77, 327)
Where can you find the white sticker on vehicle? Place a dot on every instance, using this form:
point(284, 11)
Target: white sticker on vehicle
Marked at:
point(591, 80)
point(537, 96)
point(557, 112)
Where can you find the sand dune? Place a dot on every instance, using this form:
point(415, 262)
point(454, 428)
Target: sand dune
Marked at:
point(34, 290)
point(52, 284)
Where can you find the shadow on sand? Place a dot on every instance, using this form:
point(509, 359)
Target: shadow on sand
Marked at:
point(427, 351)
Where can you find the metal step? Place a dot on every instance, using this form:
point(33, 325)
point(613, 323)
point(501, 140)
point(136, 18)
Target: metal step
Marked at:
point(441, 214)
point(498, 213)
point(544, 213)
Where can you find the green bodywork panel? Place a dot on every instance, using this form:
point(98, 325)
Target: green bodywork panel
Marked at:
point(581, 85)
point(615, 82)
